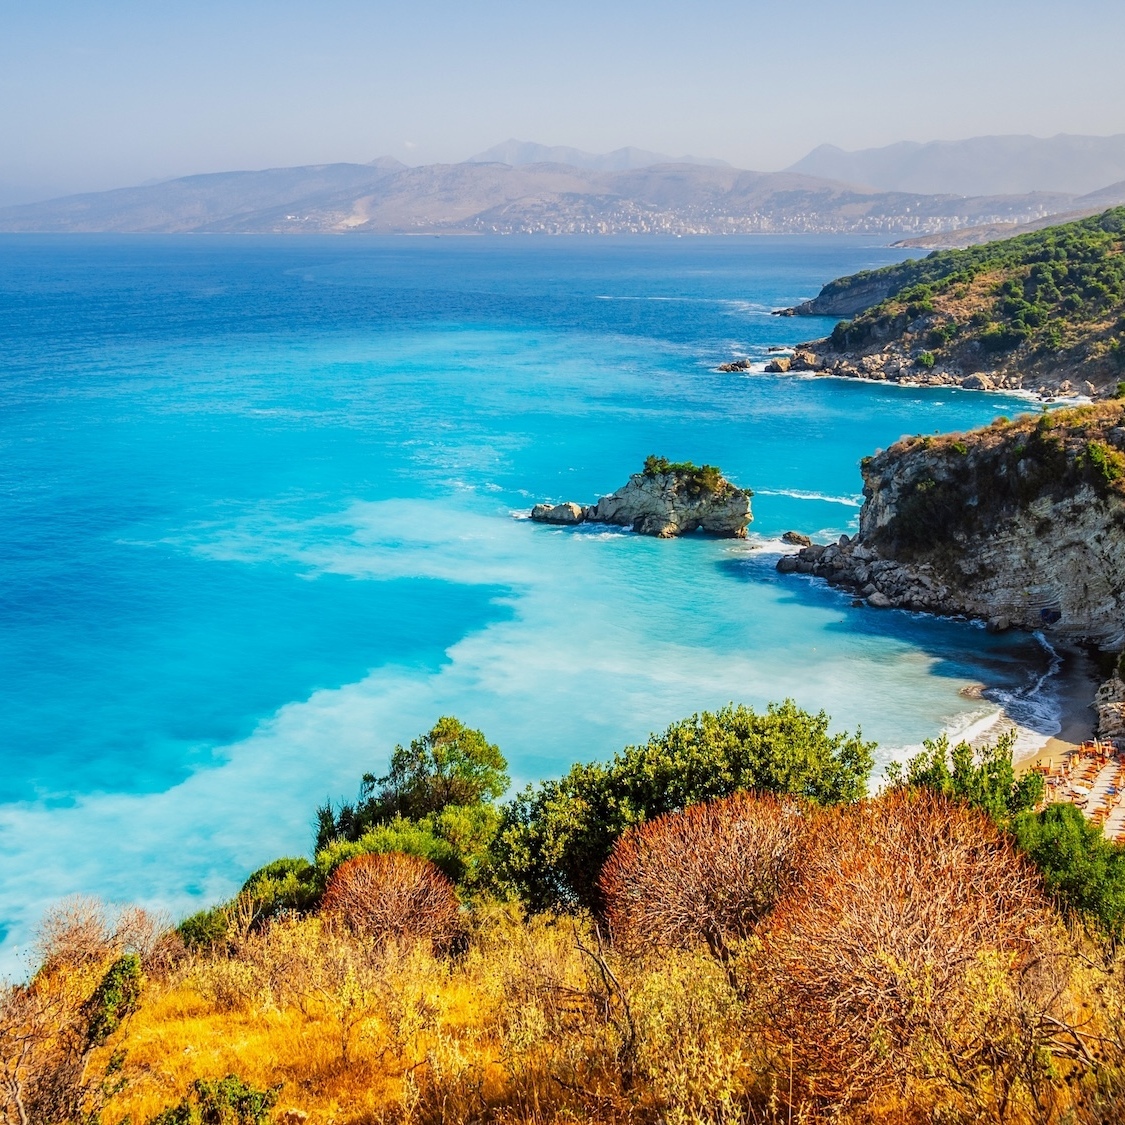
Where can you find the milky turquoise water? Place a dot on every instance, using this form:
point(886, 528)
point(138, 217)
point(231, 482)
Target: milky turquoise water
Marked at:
point(257, 504)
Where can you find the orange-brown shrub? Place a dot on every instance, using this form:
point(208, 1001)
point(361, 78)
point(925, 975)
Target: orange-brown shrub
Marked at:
point(393, 897)
point(708, 874)
point(919, 953)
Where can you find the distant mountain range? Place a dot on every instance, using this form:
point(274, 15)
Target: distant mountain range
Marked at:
point(519, 153)
point(509, 190)
point(1070, 165)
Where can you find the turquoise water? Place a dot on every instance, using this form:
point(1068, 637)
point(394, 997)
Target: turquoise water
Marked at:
point(258, 500)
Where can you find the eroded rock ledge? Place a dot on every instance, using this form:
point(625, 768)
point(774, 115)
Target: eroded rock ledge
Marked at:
point(665, 500)
point(906, 363)
point(1019, 524)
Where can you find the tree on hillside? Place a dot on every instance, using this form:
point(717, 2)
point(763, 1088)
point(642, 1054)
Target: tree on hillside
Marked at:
point(555, 838)
point(436, 801)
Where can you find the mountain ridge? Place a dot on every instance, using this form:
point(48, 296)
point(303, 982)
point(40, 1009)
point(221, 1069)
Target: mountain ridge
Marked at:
point(989, 165)
point(387, 197)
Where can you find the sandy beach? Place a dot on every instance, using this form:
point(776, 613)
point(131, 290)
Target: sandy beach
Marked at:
point(1074, 685)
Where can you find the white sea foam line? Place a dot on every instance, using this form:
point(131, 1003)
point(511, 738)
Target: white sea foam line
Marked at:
point(799, 494)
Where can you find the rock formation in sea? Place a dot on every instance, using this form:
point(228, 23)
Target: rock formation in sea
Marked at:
point(1018, 524)
point(666, 499)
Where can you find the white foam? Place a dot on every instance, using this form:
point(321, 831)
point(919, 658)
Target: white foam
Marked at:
point(800, 494)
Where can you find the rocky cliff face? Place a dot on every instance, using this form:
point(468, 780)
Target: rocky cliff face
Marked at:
point(845, 296)
point(1020, 524)
point(664, 502)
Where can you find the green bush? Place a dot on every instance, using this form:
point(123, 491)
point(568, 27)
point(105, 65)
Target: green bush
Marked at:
point(701, 480)
point(290, 883)
point(554, 838)
point(984, 778)
point(450, 765)
point(1107, 464)
point(1082, 869)
point(117, 997)
point(205, 928)
point(436, 802)
point(224, 1101)
point(926, 360)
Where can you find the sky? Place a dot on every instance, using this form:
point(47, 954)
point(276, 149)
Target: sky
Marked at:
point(118, 92)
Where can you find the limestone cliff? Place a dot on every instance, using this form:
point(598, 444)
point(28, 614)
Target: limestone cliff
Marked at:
point(1021, 523)
point(665, 500)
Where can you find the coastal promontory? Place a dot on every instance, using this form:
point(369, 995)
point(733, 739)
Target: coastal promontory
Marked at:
point(666, 499)
point(1043, 312)
point(1021, 523)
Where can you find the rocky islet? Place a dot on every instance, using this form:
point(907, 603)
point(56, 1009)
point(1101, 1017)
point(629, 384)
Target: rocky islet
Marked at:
point(665, 501)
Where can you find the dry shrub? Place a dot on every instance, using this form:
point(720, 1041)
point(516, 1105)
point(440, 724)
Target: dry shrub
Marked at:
point(82, 932)
point(54, 1028)
point(708, 874)
point(919, 958)
point(394, 897)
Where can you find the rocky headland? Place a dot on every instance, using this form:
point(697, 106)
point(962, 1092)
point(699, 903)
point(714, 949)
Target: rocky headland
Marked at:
point(666, 499)
point(1041, 313)
point(1020, 524)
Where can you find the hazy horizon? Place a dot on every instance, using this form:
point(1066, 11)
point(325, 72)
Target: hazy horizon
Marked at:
point(126, 94)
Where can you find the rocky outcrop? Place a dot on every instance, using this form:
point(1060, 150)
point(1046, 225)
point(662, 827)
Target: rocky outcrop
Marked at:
point(846, 296)
point(1020, 524)
point(1037, 313)
point(906, 361)
point(666, 500)
point(1109, 703)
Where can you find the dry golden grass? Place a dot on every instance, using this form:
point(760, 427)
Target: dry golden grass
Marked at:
point(917, 962)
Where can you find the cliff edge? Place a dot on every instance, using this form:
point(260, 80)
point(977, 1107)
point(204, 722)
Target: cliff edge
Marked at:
point(1019, 524)
point(666, 499)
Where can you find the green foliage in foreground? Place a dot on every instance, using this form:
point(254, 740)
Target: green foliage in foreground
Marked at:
point(436, 801)
point(1080, 867)
point(555, 837)
point(983, 778)
point(226, 1101)
point(1084, 870)
point(206, 927)
point(291, 883)
point(451, 765)
point(548, 844)
point(457, 839)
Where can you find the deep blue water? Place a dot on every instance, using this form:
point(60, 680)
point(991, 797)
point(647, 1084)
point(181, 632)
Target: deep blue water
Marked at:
point(257, 502)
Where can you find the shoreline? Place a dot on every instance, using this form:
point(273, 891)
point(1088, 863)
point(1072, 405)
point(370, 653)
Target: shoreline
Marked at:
point(1051, 717)
point(1078, 683)
point(1064, 698)
point(758, 367)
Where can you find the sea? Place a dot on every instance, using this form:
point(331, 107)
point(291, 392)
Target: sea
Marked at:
point(263, 515)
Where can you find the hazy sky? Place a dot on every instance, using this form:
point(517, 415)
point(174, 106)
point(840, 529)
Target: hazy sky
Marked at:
point(101, 93)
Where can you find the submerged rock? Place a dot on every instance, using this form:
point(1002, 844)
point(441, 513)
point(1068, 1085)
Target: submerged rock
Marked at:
point(665, 500)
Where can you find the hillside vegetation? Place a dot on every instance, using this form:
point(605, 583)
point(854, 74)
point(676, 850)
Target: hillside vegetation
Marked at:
point(716, 926)
point(1046, 307)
